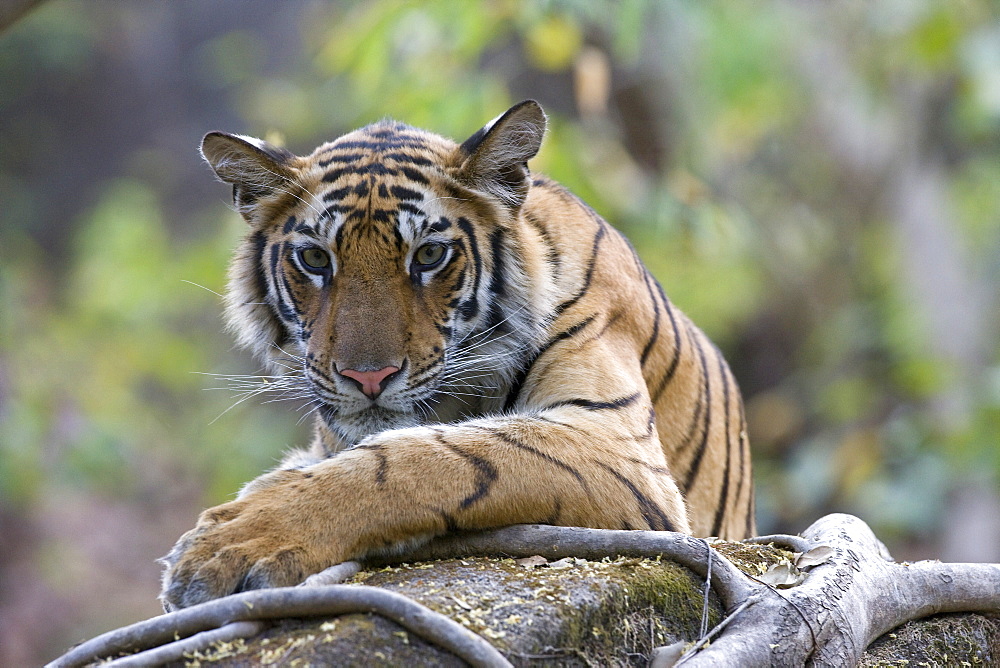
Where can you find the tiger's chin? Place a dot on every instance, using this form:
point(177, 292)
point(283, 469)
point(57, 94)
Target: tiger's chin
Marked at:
point(353, 428)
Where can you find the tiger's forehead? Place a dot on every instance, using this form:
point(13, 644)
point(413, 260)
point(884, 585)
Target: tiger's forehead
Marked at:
point(376, 182)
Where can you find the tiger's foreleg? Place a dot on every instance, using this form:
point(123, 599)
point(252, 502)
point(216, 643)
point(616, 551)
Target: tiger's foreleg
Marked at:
point(562, 465)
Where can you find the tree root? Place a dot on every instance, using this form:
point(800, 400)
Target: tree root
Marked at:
point(288, 602)
point(852, 594)
point(845, 603)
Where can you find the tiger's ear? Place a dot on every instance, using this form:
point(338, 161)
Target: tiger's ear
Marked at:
point(256, 169)
point(496, 157)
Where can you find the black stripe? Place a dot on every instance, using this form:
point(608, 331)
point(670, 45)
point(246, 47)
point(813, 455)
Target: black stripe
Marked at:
point(364, 169)
point(509, 440)
point(291, 293)
point(658, 470)
point(406, 206)
point(285, 312)
point(439, 225)
point(259, 242)
point(403, 193)
point(338, 194)
point(654, 516)
point(542, 418)
point(696, 462)
point(381, 144)
point(498, 280)
point(322, 374)
point(522, 375)
point(743, 453)
point(656, 322)
point(450, 525)
point(307, 230)
point(415, 175)
point(383, 467)
point(498, 283)
point(386, 128)
point(597, 405)
point(551, 253)
point(340, 158)
point(335, 208)
point(411, 159)
point(650, 424)
point(329, 415)
point(553, 519)
point(470, 308)
point(692, 428)
point(675, 362)
point(724, 493)
point(590, 273)
point(486, 473)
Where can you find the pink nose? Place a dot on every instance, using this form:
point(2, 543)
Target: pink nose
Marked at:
point(370, 381)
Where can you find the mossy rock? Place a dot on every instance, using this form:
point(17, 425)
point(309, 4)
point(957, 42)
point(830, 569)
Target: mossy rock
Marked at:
point(943, 640)
point(572, 612)
point(568, 613)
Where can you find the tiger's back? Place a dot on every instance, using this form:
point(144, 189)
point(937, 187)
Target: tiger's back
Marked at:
point(696, 403)
point(482, 350)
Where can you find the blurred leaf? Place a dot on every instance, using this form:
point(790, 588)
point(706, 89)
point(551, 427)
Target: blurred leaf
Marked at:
point(553, 42)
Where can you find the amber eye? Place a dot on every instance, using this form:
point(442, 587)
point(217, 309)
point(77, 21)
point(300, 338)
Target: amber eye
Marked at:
point(314, 258)
point(428, 256)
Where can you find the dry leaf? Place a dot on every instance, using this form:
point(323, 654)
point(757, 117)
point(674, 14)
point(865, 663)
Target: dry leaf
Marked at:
point(667, 656)
point(532, 562)
point(782, 575)
point(814, 557)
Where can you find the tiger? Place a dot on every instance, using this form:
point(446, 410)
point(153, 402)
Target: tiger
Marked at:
point(480, 349)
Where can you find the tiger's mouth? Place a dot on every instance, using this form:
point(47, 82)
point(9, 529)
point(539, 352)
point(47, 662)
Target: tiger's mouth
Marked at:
point(356, 425)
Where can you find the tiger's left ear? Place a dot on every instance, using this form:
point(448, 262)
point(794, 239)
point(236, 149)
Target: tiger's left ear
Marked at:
point(497, 155)
point(256, 169)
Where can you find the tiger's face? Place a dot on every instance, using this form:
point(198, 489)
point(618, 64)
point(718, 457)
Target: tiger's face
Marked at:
point(377, 269)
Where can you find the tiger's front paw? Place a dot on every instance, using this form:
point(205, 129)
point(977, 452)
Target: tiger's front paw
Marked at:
point(273, 537)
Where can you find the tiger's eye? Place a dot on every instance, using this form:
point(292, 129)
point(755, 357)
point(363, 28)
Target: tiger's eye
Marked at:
point(428, 256)
point(315, 258)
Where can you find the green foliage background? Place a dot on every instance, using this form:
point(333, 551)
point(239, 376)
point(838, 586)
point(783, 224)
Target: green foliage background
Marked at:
point(816, 184)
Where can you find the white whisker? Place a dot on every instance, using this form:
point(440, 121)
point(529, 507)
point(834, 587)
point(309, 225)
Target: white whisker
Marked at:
point(198, 285)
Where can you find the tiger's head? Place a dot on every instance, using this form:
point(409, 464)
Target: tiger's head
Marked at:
point(383, 272)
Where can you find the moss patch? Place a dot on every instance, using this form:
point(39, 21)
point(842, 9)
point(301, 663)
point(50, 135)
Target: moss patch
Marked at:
point(572, 612)
point(753, 559)
point(943, 640)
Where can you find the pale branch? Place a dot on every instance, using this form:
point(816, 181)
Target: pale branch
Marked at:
point(793, 543)
point(847, 602)
point(555, 542)
point(176, 650)
point(290, 602)
point(333, 575)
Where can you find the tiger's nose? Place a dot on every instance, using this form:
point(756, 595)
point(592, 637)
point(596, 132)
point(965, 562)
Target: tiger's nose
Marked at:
point(371, 382)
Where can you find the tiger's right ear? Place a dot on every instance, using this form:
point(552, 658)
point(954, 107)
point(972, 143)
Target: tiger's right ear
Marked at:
point(496, 157)
point(256, 169)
